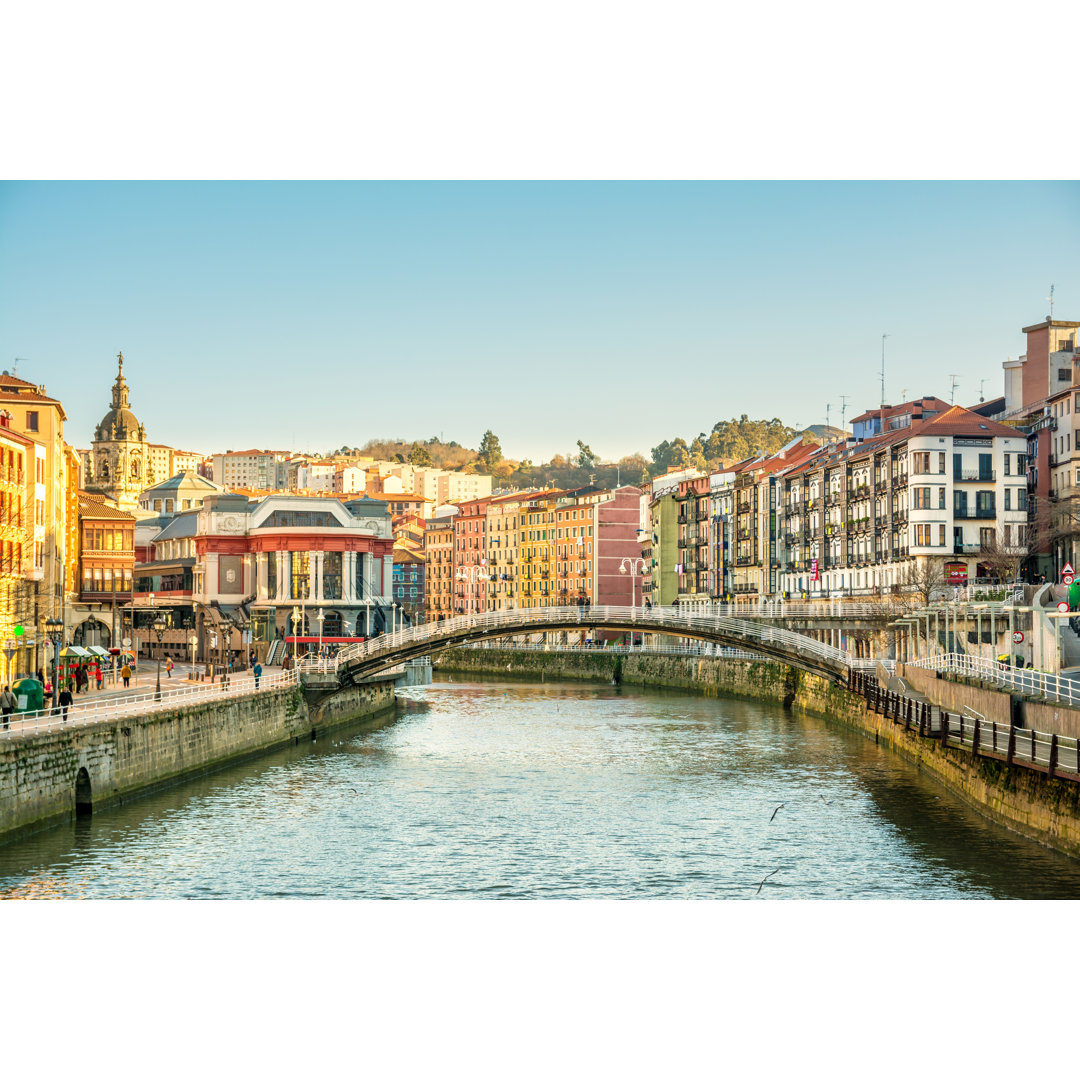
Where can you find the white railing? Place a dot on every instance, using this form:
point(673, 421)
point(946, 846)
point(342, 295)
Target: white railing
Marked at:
point(89, 710)
point(701, 649)
point(799, 609)
point(1018, 680)
point(663, 620)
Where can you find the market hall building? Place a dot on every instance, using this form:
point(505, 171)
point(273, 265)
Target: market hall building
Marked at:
point(260, 570)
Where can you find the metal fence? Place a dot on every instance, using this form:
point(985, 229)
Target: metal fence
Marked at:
point(1055, 755)
point(90, 710)
point(1027, 681)
point(700, 650)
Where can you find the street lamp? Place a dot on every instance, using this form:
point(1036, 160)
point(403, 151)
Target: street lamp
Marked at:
point(471, 575)
point(296, 617)
point(319, 619)
point(54, 631)
point(159, 627)
point(193, 642)
point(633, 565)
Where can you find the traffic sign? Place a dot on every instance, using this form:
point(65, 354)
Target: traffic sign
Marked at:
point(1066, 579)
point(1067, 569)
point(1063, 605)
point(1018, 637)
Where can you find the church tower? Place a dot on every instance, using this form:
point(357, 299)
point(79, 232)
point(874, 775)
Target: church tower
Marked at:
point(119, 457)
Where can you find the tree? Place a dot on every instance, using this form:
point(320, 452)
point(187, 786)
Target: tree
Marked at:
point(1004, 555)
point(586, 459)
point(420, 455)
point(490, 450)
point(924, 578)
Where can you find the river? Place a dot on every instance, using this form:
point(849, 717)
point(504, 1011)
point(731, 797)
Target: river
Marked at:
point(503, 789)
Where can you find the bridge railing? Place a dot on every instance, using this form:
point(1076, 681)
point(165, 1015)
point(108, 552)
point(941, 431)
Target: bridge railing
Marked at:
point(91, 710)
point(1027, 681)
point(656, 620)
point(701, 649)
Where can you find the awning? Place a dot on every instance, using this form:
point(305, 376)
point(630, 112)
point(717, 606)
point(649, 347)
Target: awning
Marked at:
point(97, 650)
point(75, 650)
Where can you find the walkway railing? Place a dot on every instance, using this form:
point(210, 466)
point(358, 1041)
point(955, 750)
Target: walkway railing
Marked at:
point(1018, 680)
point(701, 649)
point(90, 711)
point(1055, 755)
point(656, 620)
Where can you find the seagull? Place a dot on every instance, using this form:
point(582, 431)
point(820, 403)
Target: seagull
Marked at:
point(827, 802)
point(780, 807)
point(354, 791)
point(764, 879)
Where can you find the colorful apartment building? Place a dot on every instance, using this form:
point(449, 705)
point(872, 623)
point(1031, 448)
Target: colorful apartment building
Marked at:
point(439, 569)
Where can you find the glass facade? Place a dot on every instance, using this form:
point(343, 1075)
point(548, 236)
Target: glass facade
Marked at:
point(301, 575)
point(331, 583)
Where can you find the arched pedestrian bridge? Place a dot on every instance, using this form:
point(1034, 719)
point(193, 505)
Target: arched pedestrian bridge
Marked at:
point(360, 661)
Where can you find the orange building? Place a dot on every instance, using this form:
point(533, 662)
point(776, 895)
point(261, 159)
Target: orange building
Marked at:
point(17, 507)
point(439, 569)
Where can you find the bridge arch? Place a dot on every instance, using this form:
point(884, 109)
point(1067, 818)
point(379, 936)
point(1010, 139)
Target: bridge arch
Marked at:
point(84, 801)
point(363, 660)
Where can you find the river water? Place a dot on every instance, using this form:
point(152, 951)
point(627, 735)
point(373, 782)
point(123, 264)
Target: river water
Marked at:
point(502, 789)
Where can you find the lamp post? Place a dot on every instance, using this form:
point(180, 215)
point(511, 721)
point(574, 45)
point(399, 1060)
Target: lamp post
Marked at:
point(54, 631)
point(471, 575)
point(296, 617)
point(319, 619)
point(158, 626)
point(193, 642)
point(632, 565)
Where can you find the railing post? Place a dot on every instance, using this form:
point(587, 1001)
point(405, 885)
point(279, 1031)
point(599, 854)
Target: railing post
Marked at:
point(1032, 746)
point(1053, 756)
point(974, 737)
point(1010, 752)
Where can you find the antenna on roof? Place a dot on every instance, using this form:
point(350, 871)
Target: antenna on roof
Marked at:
point(1051, 299)
point(981, 381)
point(843, 409)
point(882, 430)
point(827, 408)
point(952, 392)
point(15, 367)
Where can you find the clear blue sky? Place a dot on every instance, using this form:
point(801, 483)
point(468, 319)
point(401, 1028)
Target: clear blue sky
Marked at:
point(312, 315)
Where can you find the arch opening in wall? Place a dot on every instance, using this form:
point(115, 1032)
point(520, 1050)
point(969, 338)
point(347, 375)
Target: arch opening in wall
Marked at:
point(83, 797)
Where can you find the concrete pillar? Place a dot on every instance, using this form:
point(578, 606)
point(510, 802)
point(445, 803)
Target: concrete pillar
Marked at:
point(313, 558)
point(348, 572)
point(317, 572)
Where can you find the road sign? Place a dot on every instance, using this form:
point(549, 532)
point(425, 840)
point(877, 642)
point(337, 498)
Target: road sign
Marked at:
point(1018, 637)
point(1066, 579)
point(1063, 605)
point(1067, 569)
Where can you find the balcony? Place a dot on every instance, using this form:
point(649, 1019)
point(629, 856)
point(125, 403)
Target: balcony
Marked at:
point(973, 476)
point(966, 549)
point(975, 514)
point(900, 480)
point(881, 487)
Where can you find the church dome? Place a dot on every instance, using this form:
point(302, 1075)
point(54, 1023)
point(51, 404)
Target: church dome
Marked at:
point(120, 423)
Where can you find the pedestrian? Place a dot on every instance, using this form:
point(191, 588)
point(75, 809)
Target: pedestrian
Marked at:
point(125, 674)
point(100, 676)
point(168, 668)
point(65, 704)
point(251, 658)
point(257, 672)
point(8, 702)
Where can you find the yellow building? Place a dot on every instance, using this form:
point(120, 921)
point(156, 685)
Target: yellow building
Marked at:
point(503, 564)
point(536, 546)
point(40, 418)
point(17, 461)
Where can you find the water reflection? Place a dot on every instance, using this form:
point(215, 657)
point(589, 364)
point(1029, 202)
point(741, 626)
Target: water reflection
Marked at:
point(499, 789)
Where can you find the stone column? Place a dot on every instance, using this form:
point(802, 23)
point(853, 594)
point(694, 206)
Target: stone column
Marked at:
point(313, 560)
point(317, 570)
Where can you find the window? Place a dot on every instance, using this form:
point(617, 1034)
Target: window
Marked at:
point(1021, 498)
point(941, 462)
point(1008, 499)
point(1064, 375)
point(920, 462)
point(941, 536)
point(922, 498)
point(1008, 461)
point(31, 421)
point(941, 498)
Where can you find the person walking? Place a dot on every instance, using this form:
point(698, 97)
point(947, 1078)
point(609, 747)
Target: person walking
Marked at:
point(65, 704)
point(99, 675)
point(8, 702)
point(168, 668)
point(125, 674)
point(257, 672)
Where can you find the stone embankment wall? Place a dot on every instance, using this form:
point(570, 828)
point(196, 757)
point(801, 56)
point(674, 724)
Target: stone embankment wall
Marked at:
point(1028, 802)
point(110, 761)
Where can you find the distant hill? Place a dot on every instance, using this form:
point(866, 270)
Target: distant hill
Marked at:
point(821, 433)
